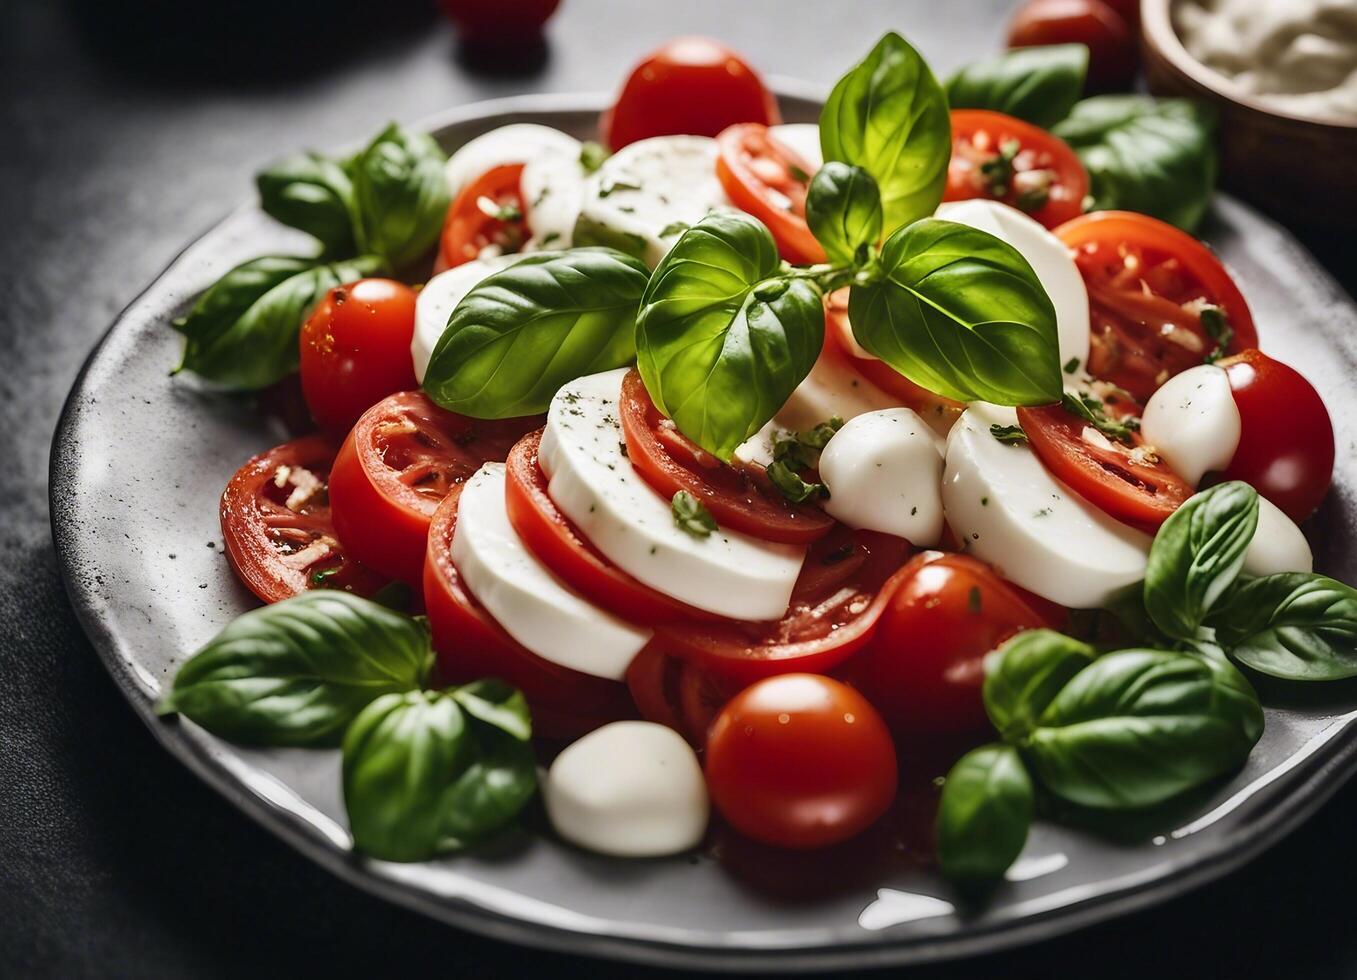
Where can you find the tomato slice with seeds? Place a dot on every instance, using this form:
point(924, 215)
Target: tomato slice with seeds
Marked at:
point(732, 494)
point(769, 180)
point(489, 211)
point(676, 694)
point(396, 466)
point(276, 524)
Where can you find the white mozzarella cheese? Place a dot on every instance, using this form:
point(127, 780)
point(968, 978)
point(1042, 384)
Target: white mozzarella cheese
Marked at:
point(440, 297)
point(532, 605)
point(595, 486)
point(1049, 259)
point(1278, 545)
point(803, 139)
point(646, 193)
point(884, 473)
point(1009, 511)
point(553, 190)
point(1192, 422)
point(628, 789)
point(516, 143)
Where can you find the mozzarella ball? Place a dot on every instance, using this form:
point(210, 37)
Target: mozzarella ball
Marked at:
point(1193, 423)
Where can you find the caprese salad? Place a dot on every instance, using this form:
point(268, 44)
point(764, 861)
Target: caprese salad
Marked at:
point(735, 461)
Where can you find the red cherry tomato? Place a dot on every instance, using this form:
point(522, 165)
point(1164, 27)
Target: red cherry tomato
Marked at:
point(355, 350)
point(275, 522)
point(692, 85)
point(470, 645)
point(1148, 283)
point(769, 181)
point(498, 24)
point(1286, 448)
point(399, 462)
point(1129, 11)
point(732, 495)
point(999, 158)
point(488, 211)
point(1113, 52)
point(800, 761)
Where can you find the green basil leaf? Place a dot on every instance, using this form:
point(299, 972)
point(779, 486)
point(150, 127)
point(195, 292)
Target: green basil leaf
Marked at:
point(314, 194)
point(984, 814)
point(242, 332)
point(843, 209)
point(1293, 625)
point(491, 792)
point(1137, 727)
point(962, 314)
point(1039, 84)
point(1024, 675)
point(1197, 554)
point(1156, 156)
point(298, 671)
point(401, 193)
point(723, 338)
point(889, 116)
point(524, 331)
point(496, 704)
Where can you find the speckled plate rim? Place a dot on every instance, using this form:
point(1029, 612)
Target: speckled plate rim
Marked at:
point(1300, 787)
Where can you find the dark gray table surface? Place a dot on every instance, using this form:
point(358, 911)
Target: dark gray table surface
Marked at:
point(125, 130)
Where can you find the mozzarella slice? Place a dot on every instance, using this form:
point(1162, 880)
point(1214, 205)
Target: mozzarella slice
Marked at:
point(1278, 545)
point(1009, 511)
point(595, 486)
point(884, 473)
point(551, 620)
point(1192, 421)
point(629, 789)
point(803, 139)
point(553, 190)
point(440, 297)
point(647, 193)
point(1049, 259)
point(516, 143)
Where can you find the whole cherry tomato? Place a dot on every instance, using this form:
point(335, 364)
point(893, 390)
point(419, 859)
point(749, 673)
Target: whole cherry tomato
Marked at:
point(1113, 54)
point(499, 23)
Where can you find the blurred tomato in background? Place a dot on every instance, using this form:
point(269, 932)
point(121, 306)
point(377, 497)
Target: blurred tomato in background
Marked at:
point(499, 23)
point(1108, 28)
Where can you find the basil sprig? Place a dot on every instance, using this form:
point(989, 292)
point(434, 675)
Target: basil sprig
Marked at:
point(843, 210)
point(1038, 84)
point(314, 194)
point(1292, 625)
point(401, 193)
point(526, 330)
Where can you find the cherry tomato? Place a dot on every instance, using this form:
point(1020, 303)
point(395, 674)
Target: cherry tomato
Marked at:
point(1286, 445)
point(355, 350)
point(470, 645)
point(275, 522)
point(399, 462)
point(769, 181)
point(800, 761)
point(732, 495)
point(1113, 53)
point(498, 24)
point(1148, 286)
point(489, 211)
point(1129, 11)
point(692, 85)
point(999, 158)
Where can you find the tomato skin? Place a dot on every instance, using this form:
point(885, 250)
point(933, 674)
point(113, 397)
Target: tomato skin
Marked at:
point(467, 229)
point(678, 695)
point(497, 24)
point(800, 761)
point(355, 350)
point(924, 667)
point(691, 85)
point(1286, 443)
point(758, 173)
point(1113, 53)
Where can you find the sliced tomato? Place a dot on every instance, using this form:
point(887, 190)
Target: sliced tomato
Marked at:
point(732, 494)
point(470, 645)
point(396, 466)
point(275, 522)
point(489, 211)
point(769, 180)
point(1000, 158)
point(1148, 283)
point(677, 694)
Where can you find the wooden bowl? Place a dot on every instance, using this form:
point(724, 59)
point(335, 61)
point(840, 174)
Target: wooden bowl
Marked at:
point(1294, 167)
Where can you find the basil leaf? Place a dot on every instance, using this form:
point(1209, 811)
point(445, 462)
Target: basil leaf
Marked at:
point(401, 193)
point(723, 338)
point(889, 116)
point(1024, 675)
point(1197, 554)
point(491, 792)
point(1293, 625)
point(1138, 727)
point(962, 314)
point(496, 704)
point(525, 330)
point(298, 671)
point(691, 515)
point(1156, 156)
point(843, 209)
point(984, 814)
point(314, 194)
point(1039, 84)
point(242, 332)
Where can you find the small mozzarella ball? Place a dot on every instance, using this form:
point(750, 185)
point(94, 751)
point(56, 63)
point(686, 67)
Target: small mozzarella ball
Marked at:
point(629, 789)
point(1278, 545)
point(1193, 423)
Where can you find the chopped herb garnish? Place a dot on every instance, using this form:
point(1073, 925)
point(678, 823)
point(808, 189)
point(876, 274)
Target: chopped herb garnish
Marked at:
point(1072, 365)
point(592, 156)
point(997, 172)
point(1090, 409)
point(791, 486)
point(674, 228)
point(691, 516)
point(1011, 435)
point(617, 185)
point(1217, 326)
point(797, 174)
point(984, 501)
point(508, 212)
point(318, 579)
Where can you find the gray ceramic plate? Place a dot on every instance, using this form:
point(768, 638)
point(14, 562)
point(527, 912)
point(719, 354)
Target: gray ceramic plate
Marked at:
point(139, 460)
